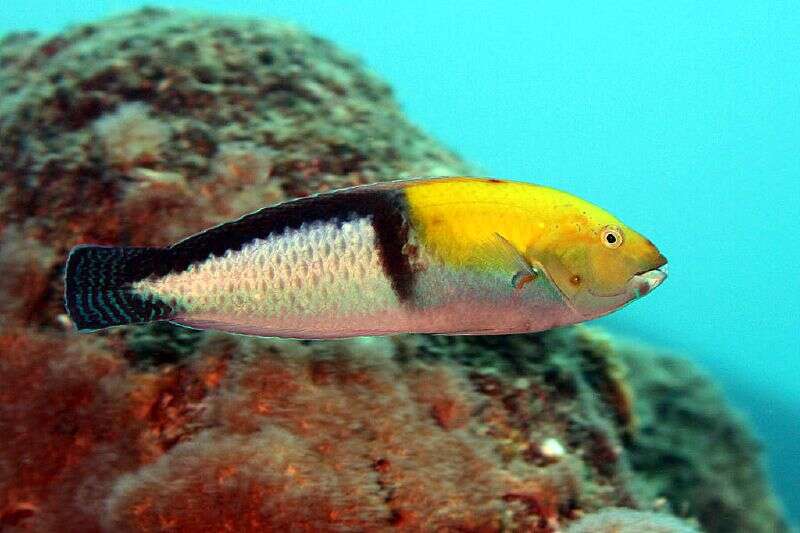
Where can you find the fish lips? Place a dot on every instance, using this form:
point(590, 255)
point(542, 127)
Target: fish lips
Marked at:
point(591, 305)
point(643, 283)
point(639, 284)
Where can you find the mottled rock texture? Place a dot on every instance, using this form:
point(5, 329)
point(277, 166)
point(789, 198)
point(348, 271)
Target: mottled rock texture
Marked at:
point(148, 127)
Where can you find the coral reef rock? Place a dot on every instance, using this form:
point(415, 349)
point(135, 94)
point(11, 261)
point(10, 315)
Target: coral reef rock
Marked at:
point(145, 128)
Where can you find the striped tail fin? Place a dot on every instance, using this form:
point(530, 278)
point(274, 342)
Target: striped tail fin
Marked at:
point(98, 283)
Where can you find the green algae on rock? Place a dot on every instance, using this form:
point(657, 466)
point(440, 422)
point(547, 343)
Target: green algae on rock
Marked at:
point(143, 427)
point(693, 449)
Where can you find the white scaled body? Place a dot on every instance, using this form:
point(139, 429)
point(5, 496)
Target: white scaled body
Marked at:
point(298, 282)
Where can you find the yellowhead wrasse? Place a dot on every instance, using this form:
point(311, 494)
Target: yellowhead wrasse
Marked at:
point(438, 255)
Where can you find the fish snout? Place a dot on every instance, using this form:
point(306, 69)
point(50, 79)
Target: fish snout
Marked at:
point(644, 282)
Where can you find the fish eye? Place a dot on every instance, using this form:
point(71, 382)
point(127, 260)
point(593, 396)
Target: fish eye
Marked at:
point(612, 237)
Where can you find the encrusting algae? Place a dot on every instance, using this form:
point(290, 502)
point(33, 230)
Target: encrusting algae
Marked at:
point(161, 428)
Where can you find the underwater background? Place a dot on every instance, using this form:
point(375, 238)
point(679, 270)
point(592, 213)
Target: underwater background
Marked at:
point(681, 119)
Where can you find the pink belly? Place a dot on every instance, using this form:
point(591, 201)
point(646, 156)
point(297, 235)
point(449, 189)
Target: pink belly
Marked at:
point(458, 318)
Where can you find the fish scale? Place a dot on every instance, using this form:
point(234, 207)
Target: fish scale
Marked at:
point(308, 270)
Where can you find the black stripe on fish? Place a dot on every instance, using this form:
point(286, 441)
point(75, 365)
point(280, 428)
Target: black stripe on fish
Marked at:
point(391, 235)
point(385, 206)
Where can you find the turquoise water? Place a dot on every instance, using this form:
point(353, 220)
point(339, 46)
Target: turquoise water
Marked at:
point(682, 119)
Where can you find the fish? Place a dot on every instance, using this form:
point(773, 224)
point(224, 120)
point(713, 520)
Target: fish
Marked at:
point(451, 255)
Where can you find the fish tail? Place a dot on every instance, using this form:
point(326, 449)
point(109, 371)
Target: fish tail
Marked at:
point(98, 286)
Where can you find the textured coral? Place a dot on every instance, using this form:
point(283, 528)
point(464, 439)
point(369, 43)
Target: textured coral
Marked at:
point(710, 467)
point(142, 129)
point(130, 136)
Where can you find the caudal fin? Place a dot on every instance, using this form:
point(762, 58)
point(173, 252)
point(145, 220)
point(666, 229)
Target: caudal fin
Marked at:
point(98, 283)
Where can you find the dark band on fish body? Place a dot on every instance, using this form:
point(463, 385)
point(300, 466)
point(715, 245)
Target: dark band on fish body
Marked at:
point(390, 222)
point(386, 208)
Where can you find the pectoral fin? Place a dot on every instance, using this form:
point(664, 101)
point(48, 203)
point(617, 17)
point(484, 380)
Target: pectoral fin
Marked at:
point(525, 271)
point(528, 270)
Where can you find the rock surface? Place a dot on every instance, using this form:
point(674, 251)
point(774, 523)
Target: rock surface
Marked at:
point(143, 129)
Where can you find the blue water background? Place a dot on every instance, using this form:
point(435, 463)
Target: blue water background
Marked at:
point(683, 118)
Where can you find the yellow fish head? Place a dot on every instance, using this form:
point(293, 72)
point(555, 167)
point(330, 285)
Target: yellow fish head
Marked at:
point(599, 263)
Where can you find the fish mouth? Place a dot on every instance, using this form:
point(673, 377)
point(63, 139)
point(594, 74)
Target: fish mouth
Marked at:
point(638, 285)
point(644, 282)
